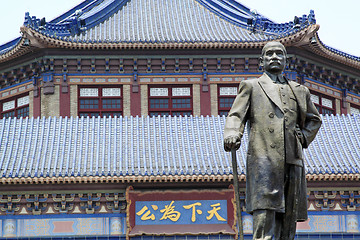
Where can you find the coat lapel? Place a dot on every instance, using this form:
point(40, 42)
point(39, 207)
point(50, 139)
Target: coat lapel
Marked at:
point(270, 90)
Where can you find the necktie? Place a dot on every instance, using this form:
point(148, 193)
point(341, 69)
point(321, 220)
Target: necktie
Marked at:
point(280, 79)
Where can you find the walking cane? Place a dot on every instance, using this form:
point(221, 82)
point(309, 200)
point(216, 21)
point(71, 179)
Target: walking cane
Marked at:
point(237, 194)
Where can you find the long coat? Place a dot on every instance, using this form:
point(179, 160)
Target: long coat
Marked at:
point(258, 103)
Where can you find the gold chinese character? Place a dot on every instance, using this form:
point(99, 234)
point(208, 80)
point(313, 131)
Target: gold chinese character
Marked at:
point(194, 210)
point(214, 212)
point(147, 215)
point(170, 213)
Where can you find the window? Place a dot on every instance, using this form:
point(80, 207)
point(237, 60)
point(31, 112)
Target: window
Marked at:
point(170, 100)
point(354, 109)
point(15, 107)
point(100, 101)
point(324, 104)
point(226, 98)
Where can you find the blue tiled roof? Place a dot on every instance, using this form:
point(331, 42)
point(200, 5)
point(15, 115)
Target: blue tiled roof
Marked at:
point(338, 52)
point(9, 45)
point(164, 21)
point(144, 146)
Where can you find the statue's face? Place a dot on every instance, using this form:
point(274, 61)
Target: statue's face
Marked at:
point(274, 58)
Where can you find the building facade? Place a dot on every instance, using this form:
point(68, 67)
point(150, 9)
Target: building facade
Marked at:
point(112, 118)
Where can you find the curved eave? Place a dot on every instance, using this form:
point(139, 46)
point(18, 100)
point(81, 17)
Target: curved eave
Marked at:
point(18, 50)
point(319, 48)
point(8, 46)
point(301, 38)
point(161, 179)
point(52, 42)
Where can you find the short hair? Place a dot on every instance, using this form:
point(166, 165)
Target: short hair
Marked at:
point(273, 43)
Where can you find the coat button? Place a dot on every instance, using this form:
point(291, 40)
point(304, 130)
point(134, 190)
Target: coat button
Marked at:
point(271, 115)
point(286, 118)
point(286, 109)
point(272, 145)
point(271, 130)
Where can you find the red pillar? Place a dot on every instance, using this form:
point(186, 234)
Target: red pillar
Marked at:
point(64, 100)
point(37, 102)
point(135, 100)
point(205, 100)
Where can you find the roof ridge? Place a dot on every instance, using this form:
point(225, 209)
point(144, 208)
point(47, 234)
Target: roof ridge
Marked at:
point(85, 4)
point(75, 20)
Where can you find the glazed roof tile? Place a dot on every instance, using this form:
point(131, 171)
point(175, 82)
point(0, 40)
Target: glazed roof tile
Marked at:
point(164, 23)
point(8, 46)
point(157, 146)
point(341, 53)
point(161, 21)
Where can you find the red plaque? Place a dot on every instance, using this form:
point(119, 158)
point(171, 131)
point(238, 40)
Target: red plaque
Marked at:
point(194, 212)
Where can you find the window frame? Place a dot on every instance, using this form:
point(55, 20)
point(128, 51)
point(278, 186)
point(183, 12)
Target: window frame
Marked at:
point(16, 107)
point(353, 106)
point(221, 110)
point(320, 106)
point(100, 110)
point(170, 110)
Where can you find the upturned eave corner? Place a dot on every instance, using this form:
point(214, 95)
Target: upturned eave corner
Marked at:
point(18, 50)
point(317, 46)
point(307, 35)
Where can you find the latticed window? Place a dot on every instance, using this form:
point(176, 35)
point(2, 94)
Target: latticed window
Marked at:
point(324, 104)
point(354, 109)
point(226, 97)
point(170, 100)
point(101, 101)
point(15, 107)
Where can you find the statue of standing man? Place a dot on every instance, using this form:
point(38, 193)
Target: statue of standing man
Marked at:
point(282, 120)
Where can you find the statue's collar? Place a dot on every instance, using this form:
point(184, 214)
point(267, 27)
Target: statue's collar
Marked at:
point(276, 77)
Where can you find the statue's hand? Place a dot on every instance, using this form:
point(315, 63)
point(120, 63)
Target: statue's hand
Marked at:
point(299, 134)
point(232, 142)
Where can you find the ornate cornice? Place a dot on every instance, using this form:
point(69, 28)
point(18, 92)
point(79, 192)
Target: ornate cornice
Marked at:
point(319, 48)
point(18, 50)
point(302, 38)
point(112, 201)
point(160, 179)
point(39, 40)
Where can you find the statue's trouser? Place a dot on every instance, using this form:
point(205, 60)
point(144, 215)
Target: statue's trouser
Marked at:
point(271, 225)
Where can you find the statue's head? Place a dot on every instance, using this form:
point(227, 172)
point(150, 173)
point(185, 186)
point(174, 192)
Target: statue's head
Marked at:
point(273, 57)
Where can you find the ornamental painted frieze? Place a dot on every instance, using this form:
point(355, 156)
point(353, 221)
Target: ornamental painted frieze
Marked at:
point(115, 202)
point(62, 203)
point(110, 212)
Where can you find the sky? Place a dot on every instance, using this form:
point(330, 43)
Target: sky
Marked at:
point(338, 20)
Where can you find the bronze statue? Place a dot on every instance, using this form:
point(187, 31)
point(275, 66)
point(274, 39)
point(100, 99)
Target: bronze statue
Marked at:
point(282, 120)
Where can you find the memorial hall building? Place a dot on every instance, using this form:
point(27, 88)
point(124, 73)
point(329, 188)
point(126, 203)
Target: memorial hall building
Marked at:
point(112, 118)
